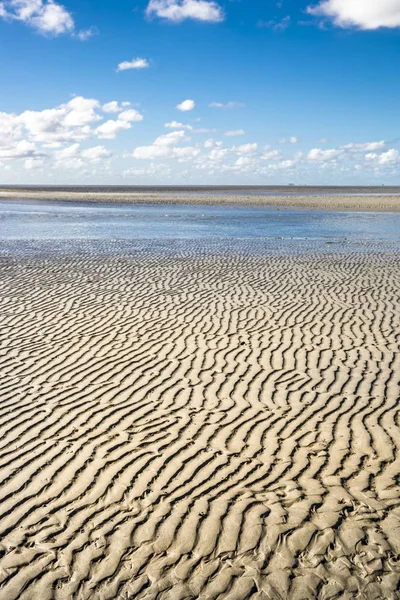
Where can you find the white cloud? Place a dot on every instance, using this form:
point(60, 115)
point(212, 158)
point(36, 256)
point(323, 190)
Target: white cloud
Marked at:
point(170, 139)
point(69, 123)
point(186, 105)
point(86, 34)
point(368, 147)
point(318, 155)
point(110, 129)
point(166, 146)
point(226, 106)
point(322, 140)
point(390, 157)
point(244, 161)
point(96, 153)
point(69, 152)
point(217, 154)
point(363, 14)
point(130, 115)
point(31, 164)
point(179, 10)
point(235, 132)
point(9, 128)
point(245, 149)
point(112, 107)
point(152, 152)
point(272, 155)
point(135, 63)
point(81, 111)
point(185, 153)
point(177, 125)
point(72, 156)
point(21, 149)
point(74, 163)
point(45, 16)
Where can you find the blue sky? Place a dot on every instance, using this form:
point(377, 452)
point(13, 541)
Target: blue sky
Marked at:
point(197, 91)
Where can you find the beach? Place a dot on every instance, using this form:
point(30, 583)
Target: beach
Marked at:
point(319, 199)
point(199, 419)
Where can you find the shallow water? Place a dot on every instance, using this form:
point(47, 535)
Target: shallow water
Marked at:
point(64, 221)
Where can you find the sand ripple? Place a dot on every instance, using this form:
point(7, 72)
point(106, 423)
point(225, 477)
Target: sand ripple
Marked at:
point(190, 425)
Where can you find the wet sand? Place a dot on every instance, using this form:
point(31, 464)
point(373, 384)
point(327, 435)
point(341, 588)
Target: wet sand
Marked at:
point(200, 422)
point(368, 203)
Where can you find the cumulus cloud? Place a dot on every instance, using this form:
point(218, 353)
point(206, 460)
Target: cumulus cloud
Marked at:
point(318, 155)
point(68, 152)
point(135, 63)
point(235, 132)
point(69, 123)
point(186, 105)
point(271, 155)
point(390, 157)
point(45, 16)
point(131, 116)
point(363, 14)
point(368, 147)
point(111, 128)
point(73, 157)
point(227, 105)
point(151, 152)
point(32, 164)
point(217, 154)
point(179, 10)
point(9, 128)
point(155, 152)
point(177, 125)
point(21, 149)
point(114, 106)
point(96, 153)
point(170, 139)
point(245, 149)
point(167, 146)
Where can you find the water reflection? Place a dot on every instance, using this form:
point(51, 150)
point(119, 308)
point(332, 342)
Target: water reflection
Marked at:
point(41, 221)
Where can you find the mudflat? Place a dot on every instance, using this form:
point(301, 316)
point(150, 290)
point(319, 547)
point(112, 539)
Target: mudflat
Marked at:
point(367, 202)
point(199, 421)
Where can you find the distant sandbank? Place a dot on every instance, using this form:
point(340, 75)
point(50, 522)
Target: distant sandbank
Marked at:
point(364, 203)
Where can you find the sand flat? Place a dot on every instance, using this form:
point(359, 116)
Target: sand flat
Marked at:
point(366, 203)
point(200, 423)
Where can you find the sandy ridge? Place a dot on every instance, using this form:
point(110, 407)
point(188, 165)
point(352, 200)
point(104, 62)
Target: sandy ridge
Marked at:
point(371, 203)
point(191, 425)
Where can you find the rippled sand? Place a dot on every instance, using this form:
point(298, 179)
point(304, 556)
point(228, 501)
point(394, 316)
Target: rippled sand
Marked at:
point(191, 422)
point(365, 203)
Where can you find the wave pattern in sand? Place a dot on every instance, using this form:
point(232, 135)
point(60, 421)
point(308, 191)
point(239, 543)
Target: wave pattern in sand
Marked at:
point(191, 425)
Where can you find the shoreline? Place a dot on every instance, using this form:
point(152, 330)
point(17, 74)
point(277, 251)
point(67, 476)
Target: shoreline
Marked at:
point(367, 203)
